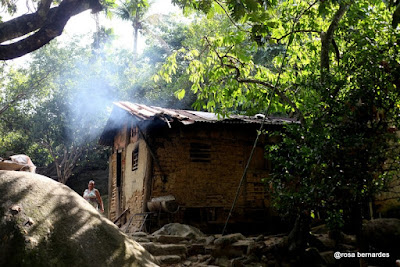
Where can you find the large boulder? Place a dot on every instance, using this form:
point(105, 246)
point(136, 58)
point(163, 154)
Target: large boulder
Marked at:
point(181, 230)
point(45, 223)
point(381, 235)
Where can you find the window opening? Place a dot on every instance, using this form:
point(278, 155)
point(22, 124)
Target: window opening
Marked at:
point(200, 152)
point(133, 131)
point(135, 159)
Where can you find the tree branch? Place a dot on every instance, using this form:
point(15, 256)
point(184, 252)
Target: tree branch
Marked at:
point(50, 26)
point(44, 7)
point(230, 18)
point(8, 105)
point(26, 93)
point(327, 39)
point(298, 17)
point(279, 93)
point(231, 66)
point(337, 52)
point(266, 84)
point(296, 31)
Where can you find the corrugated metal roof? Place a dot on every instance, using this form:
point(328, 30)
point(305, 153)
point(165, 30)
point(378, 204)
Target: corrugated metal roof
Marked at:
point(125, 111)
point(143, 112)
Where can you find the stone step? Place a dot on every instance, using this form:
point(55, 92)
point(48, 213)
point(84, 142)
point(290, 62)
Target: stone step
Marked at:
point(158, 249)
point(168, 259)
point(169, 239)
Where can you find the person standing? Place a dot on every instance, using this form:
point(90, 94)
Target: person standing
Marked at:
point(92, 195)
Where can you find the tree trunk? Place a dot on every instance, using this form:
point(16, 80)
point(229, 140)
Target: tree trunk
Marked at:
point(299, 236)
point(327, 39)
point(65, 167)
point(45, 24)
point(135, 40)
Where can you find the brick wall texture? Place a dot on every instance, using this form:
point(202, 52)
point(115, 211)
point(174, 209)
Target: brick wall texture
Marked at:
point(202, 165)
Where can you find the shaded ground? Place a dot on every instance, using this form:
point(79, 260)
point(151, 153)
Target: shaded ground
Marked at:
point(45, 223)
point(178, 245)
point(181, 245)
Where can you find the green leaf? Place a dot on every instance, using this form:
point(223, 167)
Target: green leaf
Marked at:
point(180, 94)
point(251, 5)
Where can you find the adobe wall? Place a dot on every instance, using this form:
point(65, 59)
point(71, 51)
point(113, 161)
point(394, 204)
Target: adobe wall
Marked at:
point(112, 189)
point(134, 179)
point(116, 194)
point(132, 193)
point(387, 203)
point(213, 183)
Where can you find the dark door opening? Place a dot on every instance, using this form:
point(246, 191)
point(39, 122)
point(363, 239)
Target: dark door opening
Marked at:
point(119, 178)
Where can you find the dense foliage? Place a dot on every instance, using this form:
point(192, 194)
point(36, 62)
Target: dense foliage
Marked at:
point(55, 107)
point(60, 122)
point(332, 64)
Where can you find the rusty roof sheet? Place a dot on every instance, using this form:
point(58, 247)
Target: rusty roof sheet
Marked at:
point(143, 112)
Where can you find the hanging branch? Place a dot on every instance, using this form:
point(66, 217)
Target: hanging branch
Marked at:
point(296, 31)
point(327, 39)
point(230, 18)
point(281, 94)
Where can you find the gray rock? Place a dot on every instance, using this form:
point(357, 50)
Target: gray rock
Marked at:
point(203, 258)
point(200, 240)
point(141, 239)
point(228, 239)
point(187, 263)
point(236, 263)
point(210, 240)
point(168, 259)
point(382, 235)
point(320, 229)
point(223, 262)
point(245, 246)
point(169, 239)
point(139, 234)
point(178, 229)
point(157, 249)
point(259, 238)
point(349, 240)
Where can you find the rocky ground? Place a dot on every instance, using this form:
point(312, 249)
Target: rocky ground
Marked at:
point(44, 223)
point(182, 245)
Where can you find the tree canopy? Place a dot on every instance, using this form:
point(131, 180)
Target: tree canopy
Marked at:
point(334, 65)
point(54, 107)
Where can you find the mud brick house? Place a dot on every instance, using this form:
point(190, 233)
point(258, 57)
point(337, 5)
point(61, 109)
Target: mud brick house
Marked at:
point(185, 166)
